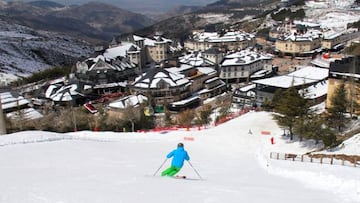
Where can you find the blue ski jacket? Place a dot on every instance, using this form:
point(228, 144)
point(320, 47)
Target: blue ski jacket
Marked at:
point(179, 156)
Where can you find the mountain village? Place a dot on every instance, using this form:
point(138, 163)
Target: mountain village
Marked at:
point(159, 74)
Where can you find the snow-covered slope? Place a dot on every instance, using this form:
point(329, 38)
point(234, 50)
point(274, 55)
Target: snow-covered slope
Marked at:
point(119, 167)
point(332, 13)
point(328, 4)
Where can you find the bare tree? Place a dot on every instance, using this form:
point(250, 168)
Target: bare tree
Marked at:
point(132, 114)
point(185, 117)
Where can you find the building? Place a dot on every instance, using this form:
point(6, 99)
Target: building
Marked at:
point(106, 73)
point(156, 49)
point(297, 44)
point(239, 66)
point(110, 69)
point(301, 79)
point(229, 41)
point(346, 71)
point(17, 107)
point(199, 58)
point(178, 87)
point(335, 40)
point(244, 96)
point(214, 55)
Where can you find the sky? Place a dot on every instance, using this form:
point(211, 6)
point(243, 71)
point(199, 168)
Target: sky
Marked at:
point(232, 160)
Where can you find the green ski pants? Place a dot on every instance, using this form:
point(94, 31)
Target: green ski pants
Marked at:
point(171, 171)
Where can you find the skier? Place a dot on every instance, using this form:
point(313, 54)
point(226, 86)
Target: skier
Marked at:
point(179, 156)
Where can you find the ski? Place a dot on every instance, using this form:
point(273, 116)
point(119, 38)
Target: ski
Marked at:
point(180, 177)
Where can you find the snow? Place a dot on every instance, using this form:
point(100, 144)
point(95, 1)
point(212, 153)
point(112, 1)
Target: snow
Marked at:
point(23, 50)
point(215, 18)
point(118, 167)
point(120, 50)
point(27, 114)
point(244, 57)
point(304, 75)
point(9, 101)
point(129, 101)
point(331, 13)
point(317, 90)
point(62, 93)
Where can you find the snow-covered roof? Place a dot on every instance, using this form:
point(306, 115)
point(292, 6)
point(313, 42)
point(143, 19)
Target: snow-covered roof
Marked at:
point(9, 100)
point(180, 69)
point(322, 62)
point(315, 91)
point(205, 90)
point(346, 74)
point(227, 37)
point(207, 70)
point(27, 114)
point(195, 59)
point(98, 63)
point(156, 40)
point(311, 72)
point(306, 75)
point(306, 24)
point(244, 57)
point(58, 80)
point(185, 101)
point(62, 93)
point(211, 80)
point(296, 37)
point(120, 51)
point(138, 38)
point(247, 87)
point(154, 77)
point(132, 100)
point(113, 84)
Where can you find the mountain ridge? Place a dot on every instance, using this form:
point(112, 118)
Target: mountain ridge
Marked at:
point(93, 21)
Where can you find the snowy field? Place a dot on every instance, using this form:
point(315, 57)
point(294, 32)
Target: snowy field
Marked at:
point(119, 167)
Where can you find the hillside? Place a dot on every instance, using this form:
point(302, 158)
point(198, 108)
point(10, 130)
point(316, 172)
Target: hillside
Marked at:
point(91, 21)
point(25, 50)
point(216, 16)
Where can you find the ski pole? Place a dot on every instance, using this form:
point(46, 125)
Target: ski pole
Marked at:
point(160, 167)
point(195, 170)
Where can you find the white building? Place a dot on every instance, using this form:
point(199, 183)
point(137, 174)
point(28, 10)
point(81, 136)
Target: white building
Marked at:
point(236, 40)
point(241, 65)
point(312, 78)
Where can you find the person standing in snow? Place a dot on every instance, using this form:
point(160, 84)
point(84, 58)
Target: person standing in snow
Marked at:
point(179, 156)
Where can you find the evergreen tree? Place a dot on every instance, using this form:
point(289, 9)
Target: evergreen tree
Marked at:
point(337, 109)
point(290, 106)
point(314, 127)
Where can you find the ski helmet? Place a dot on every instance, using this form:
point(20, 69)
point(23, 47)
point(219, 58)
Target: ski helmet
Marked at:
point(180, 145)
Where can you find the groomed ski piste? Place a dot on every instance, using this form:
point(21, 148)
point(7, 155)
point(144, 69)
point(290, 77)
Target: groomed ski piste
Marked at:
point(84, 167)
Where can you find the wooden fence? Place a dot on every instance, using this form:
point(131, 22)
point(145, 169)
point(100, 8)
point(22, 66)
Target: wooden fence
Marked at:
point(332, 159)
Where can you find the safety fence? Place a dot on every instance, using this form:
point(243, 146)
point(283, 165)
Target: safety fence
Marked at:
point(194, 128)
point(332, 159)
